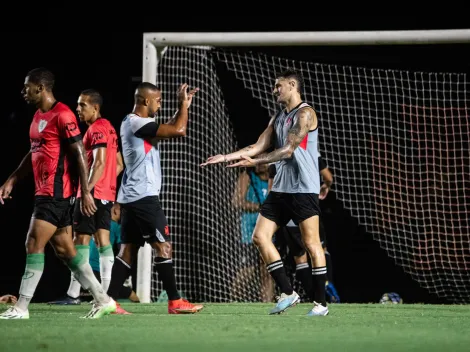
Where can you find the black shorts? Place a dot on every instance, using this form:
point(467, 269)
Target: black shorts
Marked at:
point(57, 212)
point(144, 221)
point(88, 225)
point(282, 207)
point(291, 237)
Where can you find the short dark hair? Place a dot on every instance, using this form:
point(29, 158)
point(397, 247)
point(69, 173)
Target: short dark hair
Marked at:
point(42, 76)
point(95, 96)
point(147, 85)
point(290, 73)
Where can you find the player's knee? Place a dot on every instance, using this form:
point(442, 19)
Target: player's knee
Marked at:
point(314, 248)
point(33, 246)
point(260, 239)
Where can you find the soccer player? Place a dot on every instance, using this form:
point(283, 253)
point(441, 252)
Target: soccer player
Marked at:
point(250, 192)
point(104, 164)
point(296, 186)
point(143, 219)
point(289, 236)
point(55, 143)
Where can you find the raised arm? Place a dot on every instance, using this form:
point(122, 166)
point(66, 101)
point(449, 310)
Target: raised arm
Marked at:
point(263, 143)
point(177, 125)
point(21, 171)
point(306, 121)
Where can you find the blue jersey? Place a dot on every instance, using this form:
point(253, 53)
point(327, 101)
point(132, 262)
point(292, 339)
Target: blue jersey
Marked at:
point(142, 176)
point(114, 238)
point(256, 193)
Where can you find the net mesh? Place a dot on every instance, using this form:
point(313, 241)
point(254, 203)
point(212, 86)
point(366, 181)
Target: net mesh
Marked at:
point(396, 140)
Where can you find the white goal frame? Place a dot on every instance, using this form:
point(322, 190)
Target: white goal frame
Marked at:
point(155, 44)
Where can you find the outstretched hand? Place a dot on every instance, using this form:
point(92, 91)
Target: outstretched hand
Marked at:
point(184, 96)
point(216, 159)
point(245, 162)
point(5, 192)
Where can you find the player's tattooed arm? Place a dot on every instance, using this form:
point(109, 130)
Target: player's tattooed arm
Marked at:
point(306, 121)
point(264, 142)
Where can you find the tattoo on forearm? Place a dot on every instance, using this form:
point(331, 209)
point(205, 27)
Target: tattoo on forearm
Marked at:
point(296, 134)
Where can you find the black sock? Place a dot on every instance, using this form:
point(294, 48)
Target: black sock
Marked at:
point(166, 273)
point(329, 267)
point(304, 275)
point(319, 280)
point(278, 273)
point(119, 274)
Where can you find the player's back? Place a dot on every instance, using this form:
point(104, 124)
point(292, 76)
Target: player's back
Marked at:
point(142, 175)
point(299, 174)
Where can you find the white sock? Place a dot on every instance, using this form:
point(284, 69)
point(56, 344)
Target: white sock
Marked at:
point(29, 282)
point(106, 265)
point(84, 275)
point(74, 287)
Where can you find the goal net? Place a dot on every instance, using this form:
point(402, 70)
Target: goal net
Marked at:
point(398, 142)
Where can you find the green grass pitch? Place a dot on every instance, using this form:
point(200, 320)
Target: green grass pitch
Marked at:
point(242, 328)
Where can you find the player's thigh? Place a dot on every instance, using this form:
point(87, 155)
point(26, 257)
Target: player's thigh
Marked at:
point(302, 206)
point(102, 222)
point(309, 229)
point(139, 221)
point(129, 227)
point(274, 209)
point(47, 215)
point(39, 233)
point(264, 230)
point(82, 224)
point(162, 240)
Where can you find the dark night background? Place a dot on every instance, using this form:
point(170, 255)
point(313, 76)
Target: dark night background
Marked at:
point(114, 69)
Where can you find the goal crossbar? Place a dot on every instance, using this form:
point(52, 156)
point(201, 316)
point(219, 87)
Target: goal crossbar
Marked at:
point(398, 37)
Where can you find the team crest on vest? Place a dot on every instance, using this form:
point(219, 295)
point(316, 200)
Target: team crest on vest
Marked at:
point(42, 125)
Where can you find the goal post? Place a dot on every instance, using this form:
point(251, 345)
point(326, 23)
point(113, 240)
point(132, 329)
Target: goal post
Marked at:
point(186, 56)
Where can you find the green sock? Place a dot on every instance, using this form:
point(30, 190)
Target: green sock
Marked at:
point(74, 287)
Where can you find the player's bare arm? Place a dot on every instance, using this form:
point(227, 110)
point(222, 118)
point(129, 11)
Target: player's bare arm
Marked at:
point(177, 125)
point(327, 183)
point(239, 195)
point(263, 143)
point(87, 204)
point(119, 163)
point(21, 171)
point(97, 168)
point(306, 121)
